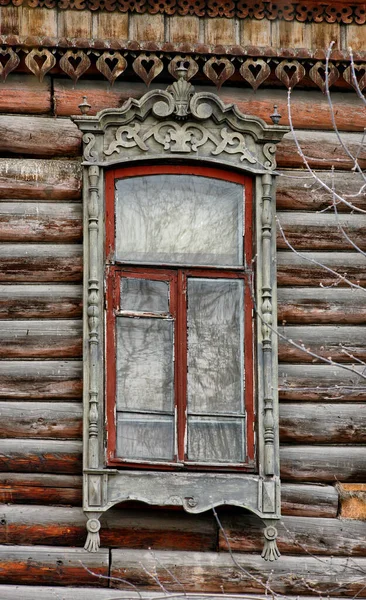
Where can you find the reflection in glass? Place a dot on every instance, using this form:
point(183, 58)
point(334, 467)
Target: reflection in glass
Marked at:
point(145, 436)
point(144, 295)
point(179, 219)
point(212, 439)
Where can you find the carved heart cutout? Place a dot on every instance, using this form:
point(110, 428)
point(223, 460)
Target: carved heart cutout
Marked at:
point(75, 63)
point(218, 70)
point(317, 74)
point(255, 72)
point(188, 63)
point(7, 66)
point(290, 72)
point(360, 72)
point(152, 62)
point(40, 62)
point(111, 65)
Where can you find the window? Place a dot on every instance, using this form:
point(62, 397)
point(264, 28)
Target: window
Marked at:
point(180, 322)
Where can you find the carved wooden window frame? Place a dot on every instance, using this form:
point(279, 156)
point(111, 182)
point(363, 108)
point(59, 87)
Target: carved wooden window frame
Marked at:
point(163, 127)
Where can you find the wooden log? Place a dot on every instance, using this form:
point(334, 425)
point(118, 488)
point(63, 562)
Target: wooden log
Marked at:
point(322, 150)
point(322, 423)
point(37, 136)
point(47, 565)
point(296, 270)
point(296, 535)
point(40, 339)
point(298, 190)
point(321, 305)
point(40, 488)
point(323, 464)
point(41, 420)
point(41, 456)
point(38, 380)
point(61, 301)
point(40, 179)
point(320, 232)
point(213, 572)
point(25, 94)
point(40, 222)
point(343, 344)
point(120, 528)
point(319, 383)
point(41, 263)
point(309, 500)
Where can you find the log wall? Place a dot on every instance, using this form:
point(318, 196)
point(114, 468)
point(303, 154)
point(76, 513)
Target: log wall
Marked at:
point(322, 350)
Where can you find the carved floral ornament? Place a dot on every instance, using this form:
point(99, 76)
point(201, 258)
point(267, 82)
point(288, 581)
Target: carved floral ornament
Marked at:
point(337, 11)
point(112, 65)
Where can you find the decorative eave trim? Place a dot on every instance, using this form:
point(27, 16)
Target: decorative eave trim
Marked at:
point(335, 11)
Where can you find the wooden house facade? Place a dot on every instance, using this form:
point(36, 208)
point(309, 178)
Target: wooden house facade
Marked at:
point(65, 58)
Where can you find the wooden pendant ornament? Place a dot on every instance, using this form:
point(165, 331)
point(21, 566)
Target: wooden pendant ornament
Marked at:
point(359, 70)
point(81, 61)
point(188, 63)
point(153, 70)
point(40, 68)
point(224, 71)
point(290, 72)
point(11, 64)
point(317, 74)
point(255, 71)
point(118, 65)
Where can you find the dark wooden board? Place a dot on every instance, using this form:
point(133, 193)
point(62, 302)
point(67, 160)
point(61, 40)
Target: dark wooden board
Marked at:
point(38, 380)
point(41, 420)
point(41, 339)
point(40, 488)
point(30, 301)
point(336, 306)
point(309, 500)
point(295, 270)
point(326, 464)
point(41, 456)
point(41, 263)
point(23, 93)
point(321, 382)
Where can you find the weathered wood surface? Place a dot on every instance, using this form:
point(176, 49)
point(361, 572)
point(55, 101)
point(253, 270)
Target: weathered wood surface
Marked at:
point(322, 150)
point(40, 179)
point(41, 456)
point(41, 420)
point(37, 380)
point(323, 423)
point(296, 535)
point(320, 305)
point(41, 339)
point(319, 383)
point(40, 488)
point(325, 464)
point(25, 94)
point(309, 500)
point(41, 263)
point(45, 137)
point(213, 572)
point(296, 270)
point(40, 301)
point(320, 231)
point(53, 566)
point(298, 190)
point(120, 528)
point(342, 344)
point(40, 222)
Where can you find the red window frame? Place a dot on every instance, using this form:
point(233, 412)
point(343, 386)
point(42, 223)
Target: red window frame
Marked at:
point(178, 276)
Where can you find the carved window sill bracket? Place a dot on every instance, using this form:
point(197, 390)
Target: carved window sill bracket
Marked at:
point(165, 126)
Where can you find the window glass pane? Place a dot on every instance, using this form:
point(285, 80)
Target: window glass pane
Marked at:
point(179, 219)
point(145, 379)
point(215, 440)
point(145, 436)
point(215, 332)
point(144, 295)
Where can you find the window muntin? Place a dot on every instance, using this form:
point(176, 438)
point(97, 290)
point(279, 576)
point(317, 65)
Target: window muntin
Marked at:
point(168, 418)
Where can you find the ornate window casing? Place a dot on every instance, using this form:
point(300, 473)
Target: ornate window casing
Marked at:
point(179, 127)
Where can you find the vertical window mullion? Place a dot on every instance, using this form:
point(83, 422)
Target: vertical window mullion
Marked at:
point(181, 363)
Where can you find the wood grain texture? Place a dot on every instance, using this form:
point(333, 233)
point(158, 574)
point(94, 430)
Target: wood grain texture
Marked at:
point(321, 306)
point(120, 528)
point(319, 383)
point(40, 488)
point(343, 344)
point(295, 270)
point(322, 464)
point(25, 94)
point(41, 420)
point(40, 179)
point(211, 572)
point(49, 566)
point(38, 380)
point(309, 500)
point(298, 190)
point(41, 456)
point(41, 263)
point(41, 339)
point(37, 136)
point(40, 222)
point(57, 301)
point(296, 535)
point(323, 423)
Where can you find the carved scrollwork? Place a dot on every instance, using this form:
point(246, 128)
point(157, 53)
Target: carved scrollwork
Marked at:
point(89, 141)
